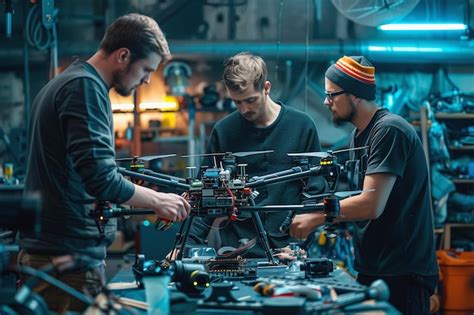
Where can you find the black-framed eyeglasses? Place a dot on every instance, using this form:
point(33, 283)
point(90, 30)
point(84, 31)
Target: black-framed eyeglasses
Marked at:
point(330, 95)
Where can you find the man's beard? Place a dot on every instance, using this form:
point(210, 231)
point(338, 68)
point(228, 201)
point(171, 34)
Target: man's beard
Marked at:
point(256, 115)
point(250, 117)
point(123, 91)
point(117, 82)
point(340, 121)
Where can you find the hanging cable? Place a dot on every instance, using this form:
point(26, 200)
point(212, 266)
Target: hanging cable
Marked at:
point(307, 58)
point(35, 34)
point(448, 79)
point(41, 37)
point(54, 51)
point(280, 17)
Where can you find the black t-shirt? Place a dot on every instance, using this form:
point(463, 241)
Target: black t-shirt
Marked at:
point(292, 131)
point(401, 240)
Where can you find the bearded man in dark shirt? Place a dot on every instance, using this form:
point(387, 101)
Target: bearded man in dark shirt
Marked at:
point(393, 238)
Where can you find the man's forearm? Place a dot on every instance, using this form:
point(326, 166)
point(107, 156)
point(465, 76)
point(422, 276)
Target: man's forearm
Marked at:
point(356, 208)
point(371, 203)
point(143, 197)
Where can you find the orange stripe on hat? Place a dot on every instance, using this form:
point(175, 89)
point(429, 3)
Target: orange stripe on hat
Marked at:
point(354, 69)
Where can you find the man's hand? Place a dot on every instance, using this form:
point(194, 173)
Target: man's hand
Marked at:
point(172, 207)
point(303, 224)
point(286, 254)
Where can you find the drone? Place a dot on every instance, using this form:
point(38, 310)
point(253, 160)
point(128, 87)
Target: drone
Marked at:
point(226, 190)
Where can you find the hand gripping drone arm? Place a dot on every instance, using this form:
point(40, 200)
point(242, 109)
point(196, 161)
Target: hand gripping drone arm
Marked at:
point(330, 208)
point(330, 172)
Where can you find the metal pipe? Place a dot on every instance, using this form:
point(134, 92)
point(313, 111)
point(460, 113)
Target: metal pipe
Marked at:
point(434, 51)
point(393, 51)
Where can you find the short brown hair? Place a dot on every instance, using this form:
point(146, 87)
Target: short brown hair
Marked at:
point(243, 70)
point(139, 33)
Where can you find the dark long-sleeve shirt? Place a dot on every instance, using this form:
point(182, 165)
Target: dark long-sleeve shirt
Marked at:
point(292, 131)
point(72, 160)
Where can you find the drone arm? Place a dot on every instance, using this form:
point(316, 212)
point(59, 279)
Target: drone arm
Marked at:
point(296, 169)
point(296, 173)
point(153, 179)
point(115, 213)
point(164, 176)
point(308, 208)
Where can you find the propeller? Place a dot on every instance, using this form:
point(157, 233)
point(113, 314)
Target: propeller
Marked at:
point(325, 154)
point(339, 194)
point(247, 153)
point(204, 154)
point(236, 154)
point(144, 158)
point(312, 154)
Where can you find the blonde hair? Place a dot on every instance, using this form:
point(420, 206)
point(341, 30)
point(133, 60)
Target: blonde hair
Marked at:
point(244, 70)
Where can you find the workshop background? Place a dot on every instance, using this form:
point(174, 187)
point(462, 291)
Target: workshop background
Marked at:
point(424, 75)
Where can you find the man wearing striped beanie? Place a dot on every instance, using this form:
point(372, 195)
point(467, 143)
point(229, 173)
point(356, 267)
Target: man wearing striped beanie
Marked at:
point(393, 237)
point(354, 76)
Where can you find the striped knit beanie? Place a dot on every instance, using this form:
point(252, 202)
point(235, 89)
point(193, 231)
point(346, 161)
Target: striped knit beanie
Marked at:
point(354, 74)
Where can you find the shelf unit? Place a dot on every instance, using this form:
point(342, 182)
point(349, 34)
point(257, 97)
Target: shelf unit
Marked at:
point(462, 184)
point(447, 231)
point(463, 181)
point(463, 148)
point(460, 116)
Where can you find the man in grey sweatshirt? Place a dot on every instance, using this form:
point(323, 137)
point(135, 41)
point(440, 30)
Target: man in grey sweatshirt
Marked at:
point(72, 155)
